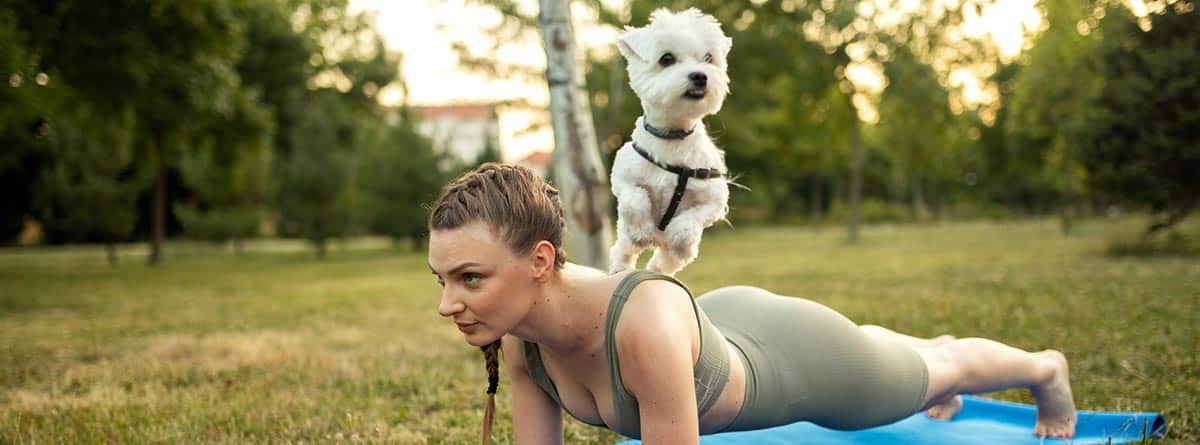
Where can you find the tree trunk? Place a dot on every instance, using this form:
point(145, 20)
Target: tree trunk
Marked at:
point(935, 204)
point(1067, 218)
point(814, 200)
point(321, 245)
point(160, 204)
point(581, 179)
point(918, 198)
point(111, 250)
point(856, 167)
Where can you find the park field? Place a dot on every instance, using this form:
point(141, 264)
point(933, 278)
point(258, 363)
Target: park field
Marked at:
point(275, 346)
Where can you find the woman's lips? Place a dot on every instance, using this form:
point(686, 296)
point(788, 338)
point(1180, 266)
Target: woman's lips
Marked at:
point(467, 328)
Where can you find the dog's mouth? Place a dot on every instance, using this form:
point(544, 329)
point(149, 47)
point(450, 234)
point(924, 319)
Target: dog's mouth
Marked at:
point(694, 93)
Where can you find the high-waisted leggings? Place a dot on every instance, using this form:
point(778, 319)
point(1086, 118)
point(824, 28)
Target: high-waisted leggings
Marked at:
point(807, 362)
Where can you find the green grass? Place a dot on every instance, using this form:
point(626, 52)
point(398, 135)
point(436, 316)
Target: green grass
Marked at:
point(276, 346)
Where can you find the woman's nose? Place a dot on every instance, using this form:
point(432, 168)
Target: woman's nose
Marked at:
point(449, 305)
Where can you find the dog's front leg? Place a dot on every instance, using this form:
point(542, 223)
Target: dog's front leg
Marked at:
point(682, 244)
point(683, 237)
point(635, 228)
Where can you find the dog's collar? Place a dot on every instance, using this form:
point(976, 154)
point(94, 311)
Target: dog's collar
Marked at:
point(670, 133)
point(684, 174)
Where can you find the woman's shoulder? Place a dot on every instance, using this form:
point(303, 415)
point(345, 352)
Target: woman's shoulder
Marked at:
point(656, 310)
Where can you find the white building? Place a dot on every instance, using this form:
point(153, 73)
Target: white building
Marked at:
point(462, 130)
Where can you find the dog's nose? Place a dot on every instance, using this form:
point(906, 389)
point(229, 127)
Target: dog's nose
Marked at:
point(698, 79)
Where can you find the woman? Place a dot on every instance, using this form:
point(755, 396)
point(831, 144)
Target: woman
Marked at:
point(634, 352)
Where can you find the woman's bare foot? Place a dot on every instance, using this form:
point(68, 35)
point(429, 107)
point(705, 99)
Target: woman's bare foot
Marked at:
point(1055, 405)
point(945, 409)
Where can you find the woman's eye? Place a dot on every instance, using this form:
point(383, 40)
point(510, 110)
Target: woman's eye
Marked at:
point(667, 59)
point(708, 58)
point(441, 282)
point(471, 278)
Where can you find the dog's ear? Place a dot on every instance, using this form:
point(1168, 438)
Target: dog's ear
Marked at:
point(724, 44)
point(635, 44)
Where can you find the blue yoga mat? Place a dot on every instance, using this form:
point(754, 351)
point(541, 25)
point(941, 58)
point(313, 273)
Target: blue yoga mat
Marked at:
point(981, 421)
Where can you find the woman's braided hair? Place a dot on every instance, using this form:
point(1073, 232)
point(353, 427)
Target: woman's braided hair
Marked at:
point(522, 209)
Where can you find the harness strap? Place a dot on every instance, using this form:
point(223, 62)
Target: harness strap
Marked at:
point(684, 173)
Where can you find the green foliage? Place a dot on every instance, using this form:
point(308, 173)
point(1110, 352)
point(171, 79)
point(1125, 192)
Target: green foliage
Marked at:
point(87, 192)
point(220, 92)
point(1050, 98)
point(1175, 243)
point(226, 173)
point(313, 183)
point(918, 129)
point(399, 177)
point(168, 64)
point(1009, 169)
point(1143, 143)
point(20, 126)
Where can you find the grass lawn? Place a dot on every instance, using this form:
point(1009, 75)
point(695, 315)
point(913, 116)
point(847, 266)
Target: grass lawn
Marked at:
point(275, 346)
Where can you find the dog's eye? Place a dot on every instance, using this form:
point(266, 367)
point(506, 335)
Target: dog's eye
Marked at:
point(667, 59)
point(708, 58)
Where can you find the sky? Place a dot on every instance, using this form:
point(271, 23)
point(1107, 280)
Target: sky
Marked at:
point(423, 31)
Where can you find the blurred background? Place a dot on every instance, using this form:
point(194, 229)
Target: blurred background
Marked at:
point(1024, 169)
point(230, 120)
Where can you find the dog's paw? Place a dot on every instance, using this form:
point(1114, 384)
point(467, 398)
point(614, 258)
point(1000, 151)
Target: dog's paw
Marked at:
point(640, 235)
point(683, 234)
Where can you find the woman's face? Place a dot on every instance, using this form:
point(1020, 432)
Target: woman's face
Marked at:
point(486, 288)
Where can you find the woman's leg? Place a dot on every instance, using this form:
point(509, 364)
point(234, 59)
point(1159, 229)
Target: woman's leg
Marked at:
point(976, 365)
point(912, 342)
point(942, 409)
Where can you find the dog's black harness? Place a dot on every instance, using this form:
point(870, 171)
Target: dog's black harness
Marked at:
point(684, 174)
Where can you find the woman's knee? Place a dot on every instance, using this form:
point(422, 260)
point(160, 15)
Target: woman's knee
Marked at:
point(945, 372)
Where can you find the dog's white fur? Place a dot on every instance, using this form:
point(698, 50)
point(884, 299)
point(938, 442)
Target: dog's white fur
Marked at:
point(643, 190)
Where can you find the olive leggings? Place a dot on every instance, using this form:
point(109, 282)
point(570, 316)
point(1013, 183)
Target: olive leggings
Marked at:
point(806, 362)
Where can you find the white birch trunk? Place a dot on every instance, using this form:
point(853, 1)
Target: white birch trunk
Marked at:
point(579, 174)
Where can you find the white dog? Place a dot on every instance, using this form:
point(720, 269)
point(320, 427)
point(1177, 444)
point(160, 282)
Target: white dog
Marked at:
point(670, 180)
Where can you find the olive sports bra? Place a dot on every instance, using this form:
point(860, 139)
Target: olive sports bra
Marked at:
point(711, 369)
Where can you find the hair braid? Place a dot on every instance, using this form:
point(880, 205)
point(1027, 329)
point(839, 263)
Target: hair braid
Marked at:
point(491, 357)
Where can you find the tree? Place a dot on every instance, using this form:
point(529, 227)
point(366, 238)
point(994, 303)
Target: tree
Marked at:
point(226, 174)
point(25, 99)
point(87, 192)
point(398, 175)
point(917, 126)
point(581, 177)
point(168, 63)
point(313, 183)
point(1143, 143)
point(318, 69)
point(1050, 93)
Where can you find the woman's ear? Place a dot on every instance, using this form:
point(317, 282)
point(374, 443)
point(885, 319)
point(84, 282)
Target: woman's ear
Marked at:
point(544, 257)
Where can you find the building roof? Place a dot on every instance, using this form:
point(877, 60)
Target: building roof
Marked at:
point(462, 111)
point(537, 159)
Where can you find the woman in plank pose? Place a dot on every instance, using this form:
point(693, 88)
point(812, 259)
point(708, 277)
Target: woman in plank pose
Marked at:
point(635, 353)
